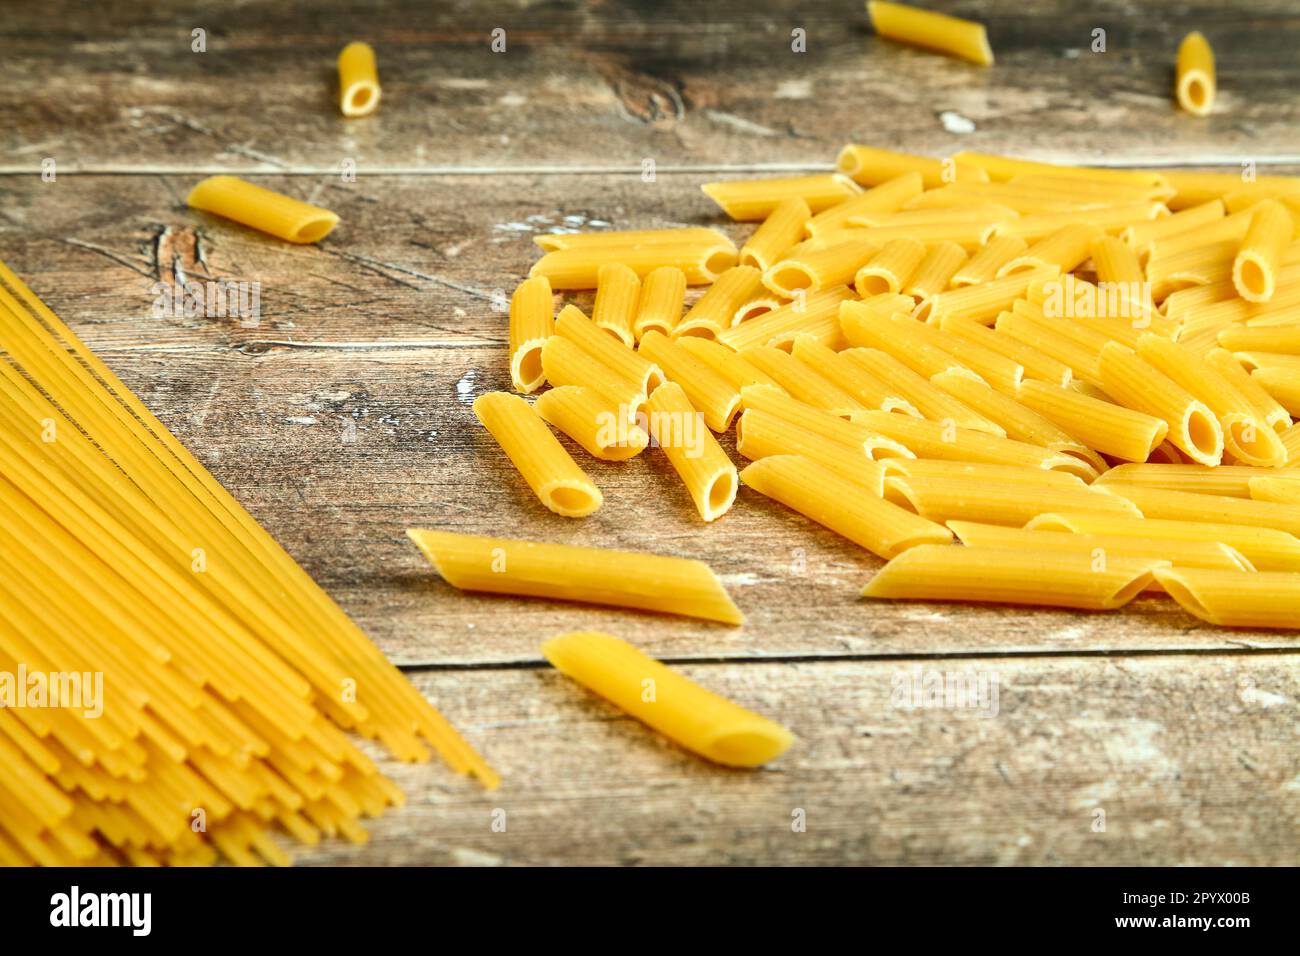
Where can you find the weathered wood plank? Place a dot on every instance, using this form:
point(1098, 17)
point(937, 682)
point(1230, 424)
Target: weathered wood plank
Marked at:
point(618, 82)
point(1192, 760)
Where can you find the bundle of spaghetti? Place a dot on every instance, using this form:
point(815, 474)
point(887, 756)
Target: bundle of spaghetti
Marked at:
point(228, 674)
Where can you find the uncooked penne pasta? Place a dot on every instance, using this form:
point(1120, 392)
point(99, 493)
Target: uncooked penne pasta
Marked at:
point(898, 335)
point(708, 391)
point(358, 80)
point(1187, 554)
point(1266, 407)
point(542, 461)
point(979, 471)
point(823, 268)
point(716, 309)
point(1232, 599)
point(629, 579)
point(1042, 576)
point(889, 269)
point(565, 363)
point(886, 196)
point(1004, 168)
point(1285, 491)
point(1104, 426)
point(850, 376)
point(1114, 261)
point(1283, 384)
point(683, 711)
point(1214, 509)
point(679, 430)
point(818, 421)
point(696, 235)
point(1231, 480)
point(761, 304)
point(270, 212)
point(578, 268)
point(1137, 384)
point(815, 312)
point(726, 363)
point(980, 303)
point(1281, 339)
point(870, 166)
point(618, 289)
point(800, 380)
point(931, 401)
point(1265, 548)
point(989, 366)
point(607, 349)
point(1048, 337)
point(1255, 268)
point(663, 292)
point(753, 199)
point(972, 499)
point(1110, 219)
point(841, 505)
point(589, 418)
point(979, 212)
point(936, 440)
point(936, 271)
point(1036, 364)
point(1194, 81)
point(532, 322)
point(1063, 250)
point(964, 39)
point(988, 259)
point(1140, 235)
point(1098, 192)
point(760, 434)
point(967, 233)
point(782, 229)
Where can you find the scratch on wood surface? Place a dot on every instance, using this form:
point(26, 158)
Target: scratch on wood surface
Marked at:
point(484, 294)
point(110, 254)
point(740, 123)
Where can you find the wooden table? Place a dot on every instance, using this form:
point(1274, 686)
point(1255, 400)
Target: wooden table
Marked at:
point(1182, 737)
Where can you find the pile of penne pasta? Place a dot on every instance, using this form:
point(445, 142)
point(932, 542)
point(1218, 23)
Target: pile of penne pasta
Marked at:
point(1085, 376)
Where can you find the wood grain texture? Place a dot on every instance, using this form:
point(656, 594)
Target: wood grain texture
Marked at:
point(616, 82)
point(1192, 761)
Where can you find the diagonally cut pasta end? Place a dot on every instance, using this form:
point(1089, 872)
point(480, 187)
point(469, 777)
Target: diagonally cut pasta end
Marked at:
point(1178, 586)
point(751, 744)
point(571, 498)
point(526, 366)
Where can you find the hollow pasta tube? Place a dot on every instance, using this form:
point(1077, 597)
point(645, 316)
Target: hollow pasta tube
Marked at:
point(532, 322)
point(589, 418)
point(963, 39)
point(358, 80)
point(270, 212)
point(663, 292)
point(1233, 599)
point(1195, 80)
point(679, 431)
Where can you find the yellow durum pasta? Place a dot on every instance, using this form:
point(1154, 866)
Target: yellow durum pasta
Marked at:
point(760, 434)
point(871, 166)
point(818, 421)
point(1104, 426)
point(753, 199)
point(629, 579)
point(1194, 87)
point(679, 431)
point(1189, 554)
point(964, 39)
point(686, 713)
point(800, 380)
point(532, 322)
point(708, 391)
point(1231, 599)
point(607, 349)
point(943, 261)
point(358, 80)
point(1232, 480)
point(716, 309)
point(890, 268)
point(944, 499)
point(988, 259)
point(565, 363)
point(850, 376)
point(578, 268)
point(1255, 268)
point(663, 292)
point(590, 419)
point(618, 290)
point(726, 363)
point(273, 213)
point(886, 196)
point(817, 313)
point(783, 228)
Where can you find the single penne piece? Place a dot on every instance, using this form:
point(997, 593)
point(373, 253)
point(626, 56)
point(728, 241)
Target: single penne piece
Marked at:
point(817, 313)
point(871, 328)
point(988, 365)
point(1140, 235)
point(698, 235)
point(1255, 268)
point(988, 259)
point(1266, 549)
point(1117, 310)
point(629, 579)
point(270, 212)
point(1266, 407)
point(1283, 384)
point(781, 230)
point(607, 349)
point(1226, 229)
point(870, 166)
point(979, 471)
point(973, 499)
point(1036, 364)
point(1193, 188)
point(358, 80)
point(579, 268)
point(1202, 265)
point(1278, 361)
point(824, 268)
point(1280, 339)
point(1247, 437)
point(663, 292)
point(849, 376)
point(1048, 337)
point(1101, 192)
point(749, 200)
point(760, 434)
point(565, 363)
point(708, 391)
point(978, 212)
point(541, 460)
point(936, 440)
point(801, 381)
point(936, 271)
point(1285, 188)
point(931, 401)
point(716, 309)
point(532, 322)
point(1137, 384)
point(980, 303)
point(886, 196)
point(1004, 168)
point(1041, 576)
point(618, 290)
point(1214, 509)
point(1232, 599)
point(841, 505)
point(967, 233)
point(726, 363)
point(889, 269)
point(1231, 480)
point(1194, 75)
point(1063, 250)
point(1108, 428)
point(588, 417)
point(1109, 219)
point(1276, 488)
point(963, 39)
point(1114, 261)
point(679, 430)
point(1188, 554)
point(683, 711)
point(818, 421)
